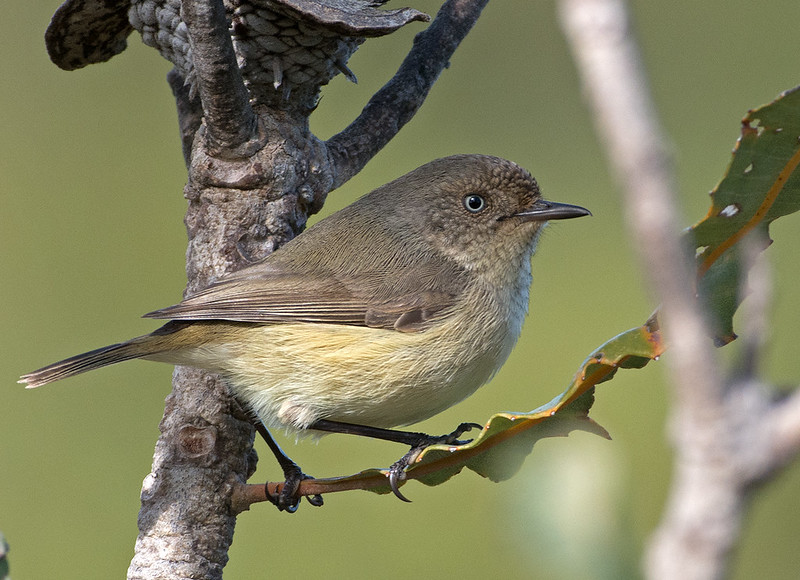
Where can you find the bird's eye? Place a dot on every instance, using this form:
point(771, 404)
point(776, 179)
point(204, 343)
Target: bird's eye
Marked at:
point(474, 203)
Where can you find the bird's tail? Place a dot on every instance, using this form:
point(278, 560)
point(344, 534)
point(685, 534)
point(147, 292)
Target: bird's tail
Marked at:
point(88, 361)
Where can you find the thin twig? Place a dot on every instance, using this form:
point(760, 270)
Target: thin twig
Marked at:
point(616, 85)
point(399, 100)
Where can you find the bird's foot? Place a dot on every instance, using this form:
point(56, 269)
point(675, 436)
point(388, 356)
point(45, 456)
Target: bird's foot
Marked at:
point(397, 472)
point(287, 499)
point(452, 438)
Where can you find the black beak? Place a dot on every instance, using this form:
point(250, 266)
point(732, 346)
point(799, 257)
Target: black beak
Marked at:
point(544, 210)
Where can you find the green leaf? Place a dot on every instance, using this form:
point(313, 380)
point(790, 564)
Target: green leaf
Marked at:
point(760, 185)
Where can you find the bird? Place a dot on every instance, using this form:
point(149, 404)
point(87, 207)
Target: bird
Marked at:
point(381, 315)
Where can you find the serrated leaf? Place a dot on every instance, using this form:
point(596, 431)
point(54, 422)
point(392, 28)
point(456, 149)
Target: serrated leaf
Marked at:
point(760, 185)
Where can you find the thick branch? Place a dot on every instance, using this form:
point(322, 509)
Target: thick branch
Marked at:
point(230, 121)
point(186, 522)
point(399, 100)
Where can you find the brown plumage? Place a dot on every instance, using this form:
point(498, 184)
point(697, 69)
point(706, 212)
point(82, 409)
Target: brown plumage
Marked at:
point(383, 314)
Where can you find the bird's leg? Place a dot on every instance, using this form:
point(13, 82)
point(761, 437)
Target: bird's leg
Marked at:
point(410, 438)
point(287, 499)
point(417, 442)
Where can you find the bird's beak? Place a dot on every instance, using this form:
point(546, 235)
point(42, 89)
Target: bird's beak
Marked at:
point(543, 210)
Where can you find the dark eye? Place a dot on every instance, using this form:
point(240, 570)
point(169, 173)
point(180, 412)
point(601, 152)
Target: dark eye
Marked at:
point(474, 203)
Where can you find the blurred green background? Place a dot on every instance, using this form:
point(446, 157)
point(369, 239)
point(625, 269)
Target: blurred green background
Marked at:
point(91, 232)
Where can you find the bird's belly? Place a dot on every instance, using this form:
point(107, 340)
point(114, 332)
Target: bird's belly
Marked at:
point(295, 374)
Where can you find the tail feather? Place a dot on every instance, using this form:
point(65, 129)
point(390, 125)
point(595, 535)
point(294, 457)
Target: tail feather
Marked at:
point(87, 361)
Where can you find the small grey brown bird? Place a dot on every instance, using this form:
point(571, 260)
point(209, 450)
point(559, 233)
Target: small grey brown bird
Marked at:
point(381, 315)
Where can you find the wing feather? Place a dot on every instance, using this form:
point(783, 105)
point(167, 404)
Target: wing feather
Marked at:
point(273, 295)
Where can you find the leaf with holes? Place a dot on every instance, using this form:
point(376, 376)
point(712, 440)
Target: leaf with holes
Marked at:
point(760, 185)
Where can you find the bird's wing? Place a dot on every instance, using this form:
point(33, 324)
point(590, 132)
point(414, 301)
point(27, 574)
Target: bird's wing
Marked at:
point(270, 293)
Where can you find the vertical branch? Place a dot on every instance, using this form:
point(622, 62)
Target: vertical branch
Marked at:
point(703, 515)
point(608, 59)
point(186, 521)
point(400, 99)
point(226, 104)
point(730, 433)
point(190, 112)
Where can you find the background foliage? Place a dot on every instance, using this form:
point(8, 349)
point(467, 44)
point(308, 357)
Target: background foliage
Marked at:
point(91, 237)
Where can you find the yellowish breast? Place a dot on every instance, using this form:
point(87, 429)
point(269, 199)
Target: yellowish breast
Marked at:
point(294, 374)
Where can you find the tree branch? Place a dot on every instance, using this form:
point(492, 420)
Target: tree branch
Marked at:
point(230, 121)
point(626, 121)
point(399, 99)
point(186, 522)
point(190, 112)
point(724, 431)
point(785, 427)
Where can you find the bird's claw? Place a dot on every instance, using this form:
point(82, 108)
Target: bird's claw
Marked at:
point(396, 475)
point(452, 438)
point(286, 499)
point(315, 500)
point(397, 472)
